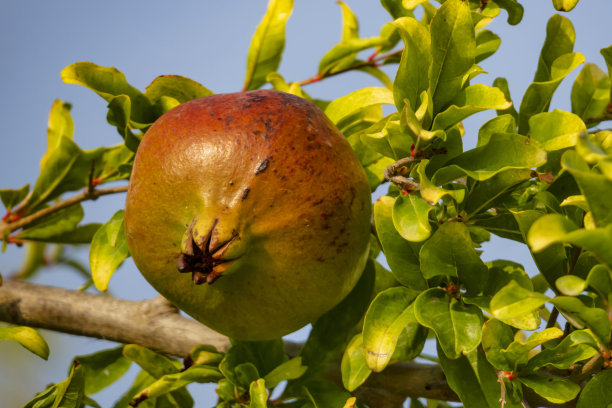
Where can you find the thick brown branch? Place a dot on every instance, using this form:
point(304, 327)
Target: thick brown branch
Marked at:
point(87, 194)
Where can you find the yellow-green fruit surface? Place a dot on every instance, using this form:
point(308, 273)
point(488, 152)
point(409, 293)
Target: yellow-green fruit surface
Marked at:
point(258, 199)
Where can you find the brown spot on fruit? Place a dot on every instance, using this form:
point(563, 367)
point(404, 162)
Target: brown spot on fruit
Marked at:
point(245, 193)
point(262, 166)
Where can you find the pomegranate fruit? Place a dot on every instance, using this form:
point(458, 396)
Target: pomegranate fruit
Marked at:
point(249, 211)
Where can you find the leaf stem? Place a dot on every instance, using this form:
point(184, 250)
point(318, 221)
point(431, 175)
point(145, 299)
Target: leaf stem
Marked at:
point(87, 194)
point(600, 118)
point(371, 62)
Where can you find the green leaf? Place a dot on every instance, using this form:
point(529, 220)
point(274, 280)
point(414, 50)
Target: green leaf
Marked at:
point(119, 115)
point(346, 49)
point(172, 382)
point(245, 374)
point(517, 352)
point(565, 5)
point(11, 198)
point(411, 217)
point(513, 301)
point(153, 363)
point(579, 345)
point(514, 9)
point(453, 48)
point(60, 227)
point(496, 337)
point(60, 125)
point(289, 370)
point(431, 192)
point(471, 100)
point(331, 332)
point(538, 95)
point(582, 316)
point(457, 326)
point(607, 54)
point(597, 392)
point(103, 368)
point(142, 380)
point(485, 193)
point(590, 92)
point(504, 151)
point(258, 394)
point(354, 366)
point(450, 252)
point(555, 389)
point(556, 130)
point(181, 88)
point(396, 8)
point(595, 187)
point(204, 354)
point(389, 313)
point(108, 82)
point(502, 84)
point(487, 42)
point(323, 394)
point(108, 250)
point(28, 338)
point(346, 105)
point(56, 167)
point(464, 381)
point(71, 390)
point(560, 38)
point(267, 44)
point(554, 228)
point(571, 285)
point(402, 255)
point(412, 76)
point(552, 262)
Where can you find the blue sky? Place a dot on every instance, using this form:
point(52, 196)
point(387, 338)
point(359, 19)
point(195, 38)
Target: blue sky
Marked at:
point(206, 41)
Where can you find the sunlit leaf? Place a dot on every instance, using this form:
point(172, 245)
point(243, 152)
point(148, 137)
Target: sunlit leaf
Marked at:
point(267, 43)
point(28, 338)
point(60, 124)
point(103, 368)
point(513, 300)
point(590, 92)
point(11, 198)
point(565, 5)
point(582, 316)
point(402, 255)
point(457, 326)
point(108, 82)
point(471, 100)
point(450, 252)
point(411, 217)
point(504, 151)
point(555, 389)
point(108, 251)
point(387, 316)
point(487, 42)
point(556, 130)
point(514, 9)
point(597, 392)
point(412, 74)
point(579, 345)
point(354, 367)
point(453, 51)
point(348, 104)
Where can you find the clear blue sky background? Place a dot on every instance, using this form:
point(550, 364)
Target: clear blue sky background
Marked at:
point(206, 41)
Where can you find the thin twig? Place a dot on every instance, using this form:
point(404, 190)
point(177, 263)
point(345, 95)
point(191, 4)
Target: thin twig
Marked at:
point(369, 63)
point(600, 118)
point(87, 194)
point(392, 174)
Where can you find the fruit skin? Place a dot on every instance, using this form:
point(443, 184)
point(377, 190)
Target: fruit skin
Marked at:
point(266, 176)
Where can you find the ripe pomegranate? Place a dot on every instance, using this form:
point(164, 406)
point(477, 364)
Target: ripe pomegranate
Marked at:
point(249, 211)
